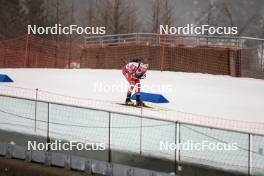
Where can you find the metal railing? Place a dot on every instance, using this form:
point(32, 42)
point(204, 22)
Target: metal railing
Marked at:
point(128, 135)
point(251, 66)
point(157, 39)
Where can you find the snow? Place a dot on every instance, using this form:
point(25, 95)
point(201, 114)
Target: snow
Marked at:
point(194, 98)
point(216, 101)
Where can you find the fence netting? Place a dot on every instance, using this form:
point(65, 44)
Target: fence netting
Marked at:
point(35, 52)
point(240, 57)
point(131, 139)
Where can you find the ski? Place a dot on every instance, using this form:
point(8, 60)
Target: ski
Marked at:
point(156, 108)
point(134, 105)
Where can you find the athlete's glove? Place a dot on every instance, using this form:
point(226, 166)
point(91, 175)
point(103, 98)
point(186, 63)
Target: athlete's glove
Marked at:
point(142, 76)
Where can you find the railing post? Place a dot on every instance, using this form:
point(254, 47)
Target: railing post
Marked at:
point(35, 113)
point(26, 57)
point(242, 43)
point(162, 54)
point(140, 137)
point(262, 53)
point(109, 138)
point(85, 42)
point(175, 152)
point(48, 127)
point(102, 42)
point(249, 154)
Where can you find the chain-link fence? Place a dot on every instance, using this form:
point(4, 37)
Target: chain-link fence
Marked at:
point(131, 139)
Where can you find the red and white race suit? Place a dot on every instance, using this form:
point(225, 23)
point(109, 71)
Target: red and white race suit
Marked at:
point(133, 72)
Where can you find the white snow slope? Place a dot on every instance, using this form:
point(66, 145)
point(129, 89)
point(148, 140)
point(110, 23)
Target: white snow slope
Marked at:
point(216, 97)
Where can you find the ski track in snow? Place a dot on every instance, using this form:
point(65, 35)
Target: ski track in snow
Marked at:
point(203, 99)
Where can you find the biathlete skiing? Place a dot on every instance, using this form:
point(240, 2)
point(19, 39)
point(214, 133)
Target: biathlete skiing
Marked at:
point(134, 71)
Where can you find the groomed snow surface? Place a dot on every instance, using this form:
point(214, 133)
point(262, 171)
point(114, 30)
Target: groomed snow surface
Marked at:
point(214, 96)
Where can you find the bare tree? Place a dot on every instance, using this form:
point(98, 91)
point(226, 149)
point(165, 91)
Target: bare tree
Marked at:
point(118, 16)
point(162, 13)
point(105, 10)
point(91, 11)
point(168, 12)
point(11, 19)
point(156, 8)
point(244, 14)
